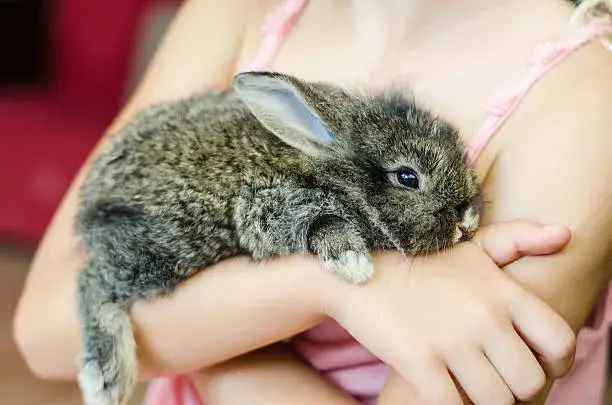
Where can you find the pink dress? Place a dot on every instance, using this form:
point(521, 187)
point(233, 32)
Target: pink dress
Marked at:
point(333, 352)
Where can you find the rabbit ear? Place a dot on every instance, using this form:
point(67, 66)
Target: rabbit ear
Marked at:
point(283, 109)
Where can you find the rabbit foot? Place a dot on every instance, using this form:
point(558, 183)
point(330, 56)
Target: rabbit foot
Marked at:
point(91, 380)
point(354, 267)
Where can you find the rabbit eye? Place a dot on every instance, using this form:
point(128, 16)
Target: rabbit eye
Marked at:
point(406, 178)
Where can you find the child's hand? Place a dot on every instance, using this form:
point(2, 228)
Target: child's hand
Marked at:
point(457, 314)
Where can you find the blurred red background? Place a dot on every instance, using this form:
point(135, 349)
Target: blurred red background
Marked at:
point(78, 54)
point(66, 67)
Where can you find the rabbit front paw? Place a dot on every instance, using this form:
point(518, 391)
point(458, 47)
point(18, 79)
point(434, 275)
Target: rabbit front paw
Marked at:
point(352, 266)
point(340, 247)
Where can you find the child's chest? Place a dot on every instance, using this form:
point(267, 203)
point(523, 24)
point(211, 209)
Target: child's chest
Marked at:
point(456, 82)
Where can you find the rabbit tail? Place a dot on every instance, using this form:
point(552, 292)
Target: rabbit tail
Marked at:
point(107, 363)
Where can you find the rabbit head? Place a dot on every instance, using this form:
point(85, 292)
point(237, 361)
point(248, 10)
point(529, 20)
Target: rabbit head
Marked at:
point(398, 165)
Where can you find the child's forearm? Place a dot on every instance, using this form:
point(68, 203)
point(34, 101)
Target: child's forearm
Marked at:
point(271, 376)
point(235, 299)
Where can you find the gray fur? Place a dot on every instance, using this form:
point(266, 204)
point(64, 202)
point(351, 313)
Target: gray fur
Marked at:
point(189, 183)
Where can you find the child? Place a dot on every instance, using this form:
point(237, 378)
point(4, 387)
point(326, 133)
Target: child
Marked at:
point(549, 162)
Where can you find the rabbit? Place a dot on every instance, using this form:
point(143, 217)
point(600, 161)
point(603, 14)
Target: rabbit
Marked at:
point(271, 166)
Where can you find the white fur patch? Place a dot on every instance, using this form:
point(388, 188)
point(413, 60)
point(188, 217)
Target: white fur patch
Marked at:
point(92, 385)
point(458, 234)
point(468, 224)
point(471, 219)
point(116, 322)
point(352, 266)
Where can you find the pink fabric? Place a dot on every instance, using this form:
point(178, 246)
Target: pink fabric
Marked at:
point(333, 352)
point(275, 30)
point(172, 391)
point(544, 58)
point(585, 384)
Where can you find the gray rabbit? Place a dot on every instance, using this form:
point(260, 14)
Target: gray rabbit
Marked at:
point(274, 166)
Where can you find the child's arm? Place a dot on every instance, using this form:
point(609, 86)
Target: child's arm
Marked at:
point(200, 51)
point(276, 376)
point(559, 172)
point(270, 376)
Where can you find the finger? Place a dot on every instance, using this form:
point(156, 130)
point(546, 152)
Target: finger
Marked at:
point(477, 377)
point(515, 363)
point(398, 391)
point(431, 381)
point(545, 331)
point(507, 242)
point(559, 368)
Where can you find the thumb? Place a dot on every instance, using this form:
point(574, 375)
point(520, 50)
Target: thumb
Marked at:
point(508, 241)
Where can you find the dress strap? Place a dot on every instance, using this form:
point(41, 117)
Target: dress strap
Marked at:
point(279, 22)
point(544, 59)
point(275, 29)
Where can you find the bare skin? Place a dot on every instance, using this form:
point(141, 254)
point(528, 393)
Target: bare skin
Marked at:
point(399, 40)
point(268, 376)
point(276, 376)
